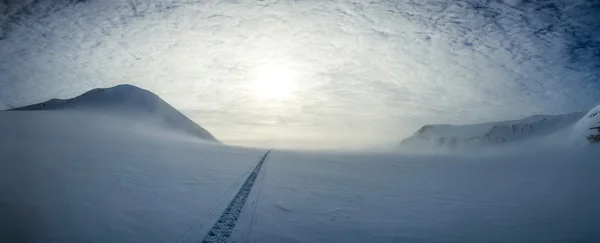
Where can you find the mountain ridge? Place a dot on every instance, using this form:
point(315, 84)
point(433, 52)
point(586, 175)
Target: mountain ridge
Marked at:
point(490, 134)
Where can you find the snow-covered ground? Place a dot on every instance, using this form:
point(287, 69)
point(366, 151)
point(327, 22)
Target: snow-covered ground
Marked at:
point(91, 175)
point(527, 197)
point(81, 177)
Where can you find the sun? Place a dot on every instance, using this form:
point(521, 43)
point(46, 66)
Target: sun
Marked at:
point(274, 81)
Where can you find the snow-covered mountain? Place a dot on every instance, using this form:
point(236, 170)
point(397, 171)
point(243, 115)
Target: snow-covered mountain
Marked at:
point(571, 128)
point(129, 102)
point(582, 129)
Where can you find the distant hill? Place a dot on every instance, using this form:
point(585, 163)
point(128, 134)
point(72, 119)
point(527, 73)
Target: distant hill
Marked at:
point(575, 128)
point(127, 101)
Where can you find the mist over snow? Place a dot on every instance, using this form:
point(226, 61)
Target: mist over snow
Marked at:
point(322, 73)
point(71, 176)
point(126, 102)
point(115, 111)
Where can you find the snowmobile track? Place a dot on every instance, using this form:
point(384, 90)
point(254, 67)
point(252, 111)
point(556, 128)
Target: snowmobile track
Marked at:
point(222, 229)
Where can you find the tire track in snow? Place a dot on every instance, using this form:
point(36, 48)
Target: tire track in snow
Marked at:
point(222, 229)
point(253, 217)
point(200, 223)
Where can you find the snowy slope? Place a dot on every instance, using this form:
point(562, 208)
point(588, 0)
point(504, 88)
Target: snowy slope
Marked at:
point(581, 130)
point(128, 102)
point(491, 134)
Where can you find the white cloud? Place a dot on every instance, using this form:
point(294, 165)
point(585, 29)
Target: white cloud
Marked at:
point(363, 71)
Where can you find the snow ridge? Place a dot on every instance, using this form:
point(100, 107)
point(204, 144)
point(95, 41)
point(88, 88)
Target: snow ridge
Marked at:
point(489, 134)
point(582, 129)
point(126, 101)
point(222, 229)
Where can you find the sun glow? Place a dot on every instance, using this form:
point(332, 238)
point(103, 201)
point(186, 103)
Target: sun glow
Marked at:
point(274, 82)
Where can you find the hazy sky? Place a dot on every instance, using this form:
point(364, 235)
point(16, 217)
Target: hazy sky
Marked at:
point(312, 73)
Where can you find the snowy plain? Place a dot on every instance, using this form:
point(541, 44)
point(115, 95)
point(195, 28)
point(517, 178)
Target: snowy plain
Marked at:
point(366, 197)
point(93, 181)
point(88, 175)
point(70, 177)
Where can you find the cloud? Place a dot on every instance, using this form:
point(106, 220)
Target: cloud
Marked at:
point(366, 70)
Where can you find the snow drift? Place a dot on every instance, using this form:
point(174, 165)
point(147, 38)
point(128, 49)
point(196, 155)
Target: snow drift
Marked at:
point(567, 129)
point(128, 102)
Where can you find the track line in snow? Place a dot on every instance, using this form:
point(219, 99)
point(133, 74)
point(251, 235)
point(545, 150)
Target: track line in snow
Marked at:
point(253, 217)
point(193, 231)
point(222, 229)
